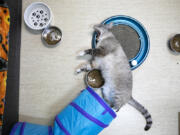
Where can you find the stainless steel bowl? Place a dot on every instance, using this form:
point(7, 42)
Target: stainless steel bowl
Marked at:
point(174, 44)
point(94, 79)
point(52, 36)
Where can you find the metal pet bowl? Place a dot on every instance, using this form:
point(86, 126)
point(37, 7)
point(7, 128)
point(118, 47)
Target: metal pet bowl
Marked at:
point(51, 36)
point(94, 79)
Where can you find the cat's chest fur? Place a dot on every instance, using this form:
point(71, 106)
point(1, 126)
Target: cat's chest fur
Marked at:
point(112, 61)
point(116, 71)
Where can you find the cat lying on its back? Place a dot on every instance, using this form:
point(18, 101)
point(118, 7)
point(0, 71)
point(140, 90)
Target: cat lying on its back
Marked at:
point(109, 57)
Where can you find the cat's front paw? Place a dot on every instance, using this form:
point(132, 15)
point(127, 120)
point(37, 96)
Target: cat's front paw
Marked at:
point(78, 71)
point(81, 53)
point(80, 68)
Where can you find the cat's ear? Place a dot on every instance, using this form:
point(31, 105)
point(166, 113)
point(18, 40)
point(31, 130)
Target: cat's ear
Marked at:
point(110, 25)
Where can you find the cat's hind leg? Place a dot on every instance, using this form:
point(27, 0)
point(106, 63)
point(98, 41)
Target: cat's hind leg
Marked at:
point(107, 95)
point(120, 99)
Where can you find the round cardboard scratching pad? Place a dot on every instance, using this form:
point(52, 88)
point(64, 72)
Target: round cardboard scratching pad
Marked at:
point(128, 38)
point(132, 36)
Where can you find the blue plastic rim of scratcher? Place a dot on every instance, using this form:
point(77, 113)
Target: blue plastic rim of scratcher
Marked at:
point(139, 28)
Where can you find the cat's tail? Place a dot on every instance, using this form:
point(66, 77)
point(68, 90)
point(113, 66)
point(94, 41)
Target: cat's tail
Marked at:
point(144, 112)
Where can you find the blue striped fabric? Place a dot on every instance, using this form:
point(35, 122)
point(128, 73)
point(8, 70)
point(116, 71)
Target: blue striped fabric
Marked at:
point(50, 130)
point(87, 114)
point(29, 129)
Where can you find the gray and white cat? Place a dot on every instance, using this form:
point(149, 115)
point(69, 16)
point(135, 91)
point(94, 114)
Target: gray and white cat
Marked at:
point(109, 57)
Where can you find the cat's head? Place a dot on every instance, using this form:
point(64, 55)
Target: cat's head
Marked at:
point(102, 29)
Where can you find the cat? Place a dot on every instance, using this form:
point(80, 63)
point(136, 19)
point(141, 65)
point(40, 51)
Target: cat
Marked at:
point(109, 57)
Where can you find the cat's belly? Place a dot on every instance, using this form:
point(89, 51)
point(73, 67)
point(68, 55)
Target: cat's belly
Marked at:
point(113, 63)
point(117, 74)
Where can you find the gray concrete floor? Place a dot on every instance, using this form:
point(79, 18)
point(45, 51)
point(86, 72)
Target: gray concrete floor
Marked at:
point(48, 83)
